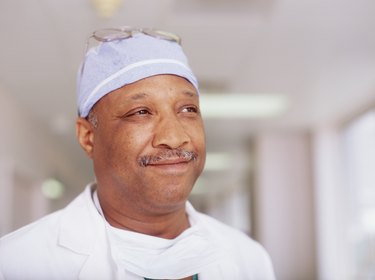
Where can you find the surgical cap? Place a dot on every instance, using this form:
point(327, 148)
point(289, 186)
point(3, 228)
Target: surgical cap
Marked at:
point(111, 65)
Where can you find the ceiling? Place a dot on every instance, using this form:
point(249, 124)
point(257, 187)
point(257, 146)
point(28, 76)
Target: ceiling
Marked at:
point(319, 54)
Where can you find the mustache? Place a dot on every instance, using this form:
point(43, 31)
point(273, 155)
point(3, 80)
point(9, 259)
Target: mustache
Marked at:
point(166, 155)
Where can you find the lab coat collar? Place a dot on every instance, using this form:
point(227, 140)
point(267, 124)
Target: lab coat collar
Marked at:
point(77, 223)
point(82, 231)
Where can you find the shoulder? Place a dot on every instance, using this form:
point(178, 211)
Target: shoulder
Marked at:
point(37, 248)
point(42, 232)
point(42, 229)
point(29, 246)
point(232, 236)
point(250, 256)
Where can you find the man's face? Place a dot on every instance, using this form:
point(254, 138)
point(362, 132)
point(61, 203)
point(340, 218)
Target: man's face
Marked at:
point(149, 145)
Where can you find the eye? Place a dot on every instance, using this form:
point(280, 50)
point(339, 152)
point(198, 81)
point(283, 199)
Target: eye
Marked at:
point(190, 109)
point(137, 112)
point(141, 112)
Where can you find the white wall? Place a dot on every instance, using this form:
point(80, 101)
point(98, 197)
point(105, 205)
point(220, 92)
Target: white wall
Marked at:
point(284, 203)
point(29, 153)
point(334, 259)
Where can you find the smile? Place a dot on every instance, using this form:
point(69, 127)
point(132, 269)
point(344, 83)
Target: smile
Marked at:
point(171, 167)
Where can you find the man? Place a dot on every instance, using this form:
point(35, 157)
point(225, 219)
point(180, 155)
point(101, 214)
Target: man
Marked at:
point(140, 123)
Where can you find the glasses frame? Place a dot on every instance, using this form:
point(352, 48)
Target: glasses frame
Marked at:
point(121, 33)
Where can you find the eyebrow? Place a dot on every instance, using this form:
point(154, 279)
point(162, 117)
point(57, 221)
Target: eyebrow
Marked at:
point(143, 95)
point(190, 93)
point(138, 96)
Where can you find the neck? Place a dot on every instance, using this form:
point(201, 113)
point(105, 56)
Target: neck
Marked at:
point(166, 225)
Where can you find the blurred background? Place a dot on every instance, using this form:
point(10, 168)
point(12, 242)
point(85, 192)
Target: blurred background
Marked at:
point(288, 97)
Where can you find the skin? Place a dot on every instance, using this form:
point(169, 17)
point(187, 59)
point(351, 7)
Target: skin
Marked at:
point(154, 116)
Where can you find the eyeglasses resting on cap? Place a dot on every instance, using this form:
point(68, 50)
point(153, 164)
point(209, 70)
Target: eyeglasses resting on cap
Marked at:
point(120, 33)
point(125, 32)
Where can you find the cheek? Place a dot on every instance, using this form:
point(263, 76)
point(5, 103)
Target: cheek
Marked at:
point(127, 145)
point(110, 145)
point(197, 134)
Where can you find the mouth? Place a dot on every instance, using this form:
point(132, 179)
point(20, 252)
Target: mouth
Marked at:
point(170, 162)
point(168, 158)
point(170, 167)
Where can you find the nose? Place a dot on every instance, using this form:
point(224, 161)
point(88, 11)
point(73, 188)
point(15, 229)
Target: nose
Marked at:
point(170, 133)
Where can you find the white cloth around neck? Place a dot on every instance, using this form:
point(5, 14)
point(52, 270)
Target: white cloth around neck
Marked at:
point(159, 258)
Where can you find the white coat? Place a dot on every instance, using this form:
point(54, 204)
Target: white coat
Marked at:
point(72, 244)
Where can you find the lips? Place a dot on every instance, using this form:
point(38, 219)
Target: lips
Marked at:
point(170, 161)
point(175, 167)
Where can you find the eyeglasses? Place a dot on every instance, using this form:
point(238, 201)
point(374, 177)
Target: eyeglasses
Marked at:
point(121, 33)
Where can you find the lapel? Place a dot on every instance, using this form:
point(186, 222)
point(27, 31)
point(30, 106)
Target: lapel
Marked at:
point(82, 230)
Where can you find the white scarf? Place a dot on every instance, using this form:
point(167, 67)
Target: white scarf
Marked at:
point(159, 258)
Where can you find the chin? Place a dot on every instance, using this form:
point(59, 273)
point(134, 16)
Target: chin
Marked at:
point(172, 197)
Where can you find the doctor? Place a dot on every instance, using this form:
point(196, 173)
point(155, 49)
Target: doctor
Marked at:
point(140, 123)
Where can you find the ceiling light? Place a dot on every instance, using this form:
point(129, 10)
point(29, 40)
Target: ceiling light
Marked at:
point(242, 105)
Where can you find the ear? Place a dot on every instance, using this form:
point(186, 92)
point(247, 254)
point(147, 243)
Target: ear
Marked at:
point(85, 135)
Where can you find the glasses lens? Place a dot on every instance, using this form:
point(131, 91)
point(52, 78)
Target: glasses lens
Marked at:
point(111, 34)
point(162, 35)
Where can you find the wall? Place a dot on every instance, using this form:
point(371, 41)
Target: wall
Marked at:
point(332, 251)
point(29, 153)
point(284, 203)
